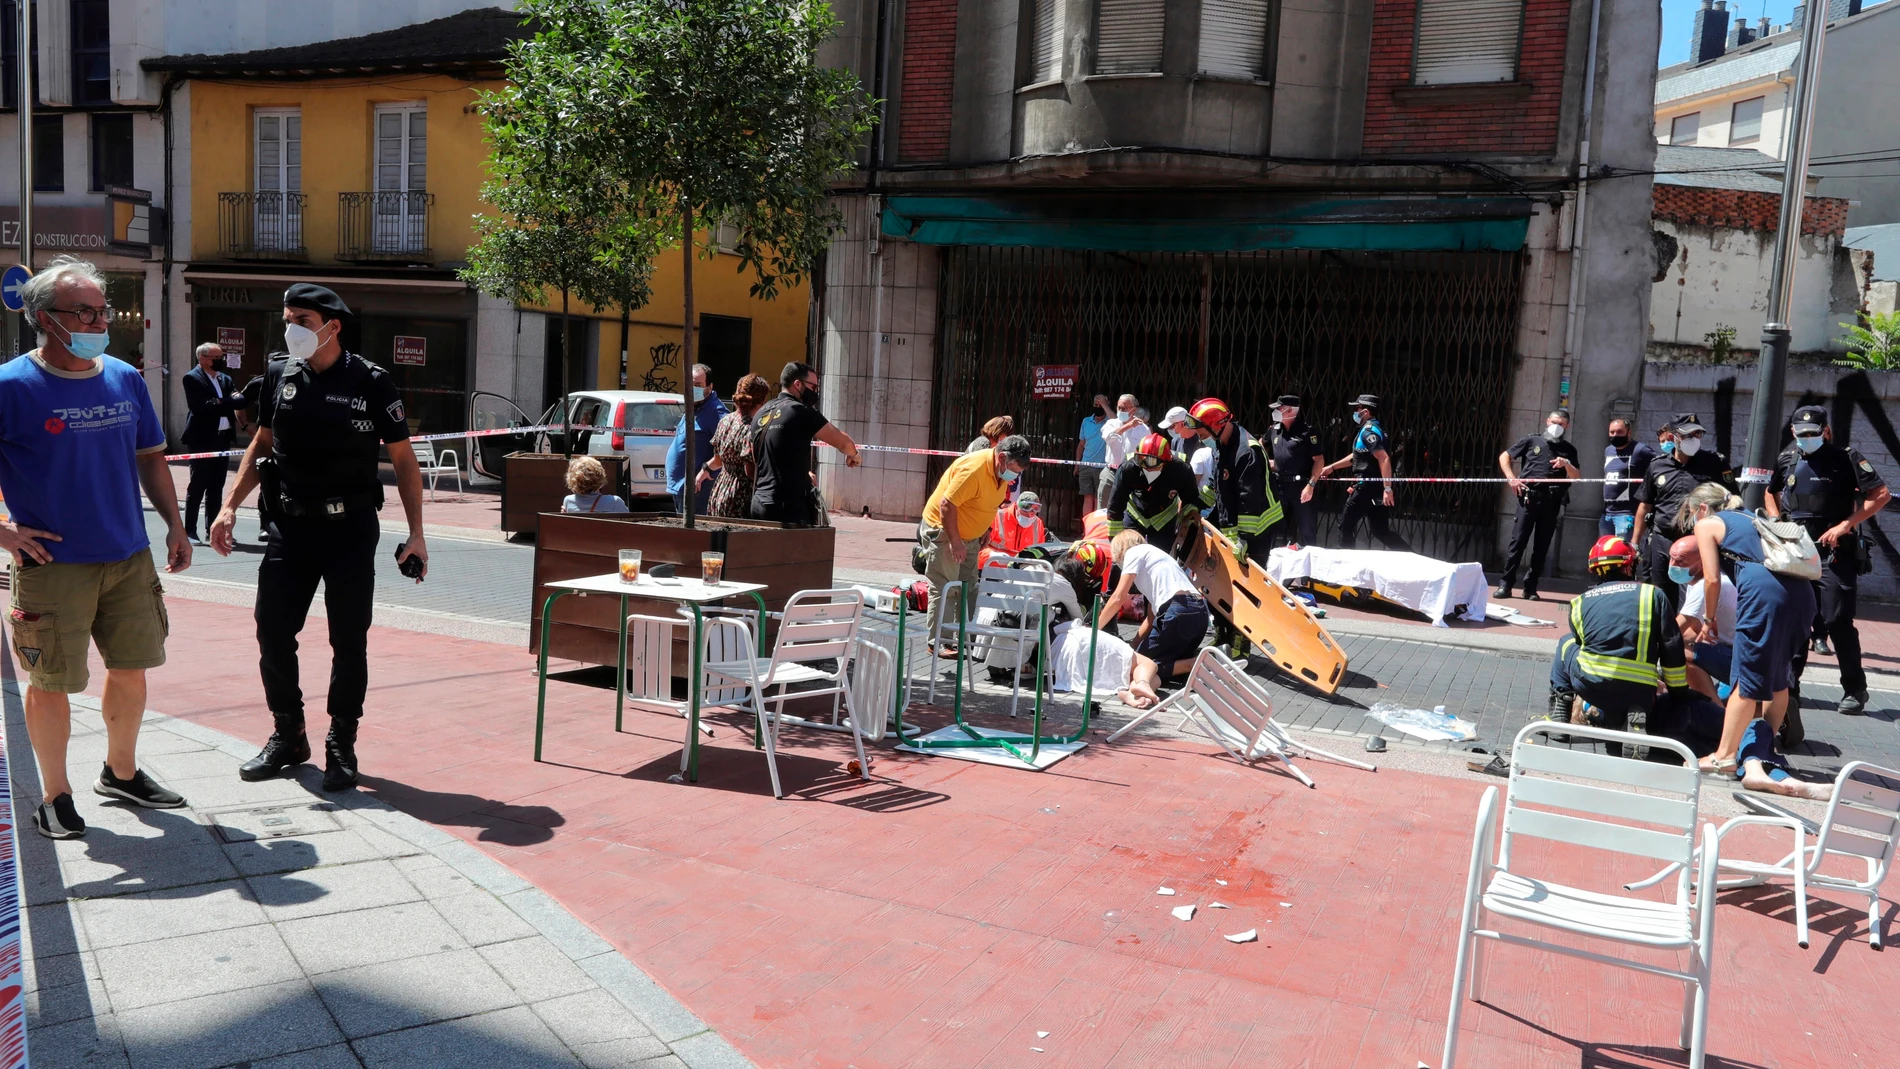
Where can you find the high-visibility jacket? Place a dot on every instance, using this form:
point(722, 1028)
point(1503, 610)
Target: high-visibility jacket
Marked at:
point(1626, 632)
point(1012, 536)
point(1152, 506)
point(1244, 504)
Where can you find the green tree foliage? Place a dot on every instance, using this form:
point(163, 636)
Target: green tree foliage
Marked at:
point(683, 114)
point(557, 224)
point(1876, 346)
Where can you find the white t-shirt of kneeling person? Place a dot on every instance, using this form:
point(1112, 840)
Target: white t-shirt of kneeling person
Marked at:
point(1158, 576)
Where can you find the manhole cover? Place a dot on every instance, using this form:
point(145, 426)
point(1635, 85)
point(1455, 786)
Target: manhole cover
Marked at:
point(273, 822)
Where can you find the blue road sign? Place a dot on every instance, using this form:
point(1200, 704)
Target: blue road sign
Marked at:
point(10, 284)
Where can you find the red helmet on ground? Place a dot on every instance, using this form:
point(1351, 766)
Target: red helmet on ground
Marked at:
point(1093, 557)
point(1611, 554)
point(1155, 447)
point(1211, 412)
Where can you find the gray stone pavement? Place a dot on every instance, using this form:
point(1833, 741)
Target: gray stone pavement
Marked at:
point(271, 926)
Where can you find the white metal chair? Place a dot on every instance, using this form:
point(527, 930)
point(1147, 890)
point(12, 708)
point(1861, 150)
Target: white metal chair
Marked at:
point(1581, 798)
point(1005, 585)
point(1232, 708)
point(650, 660)
point(436, 465)
point(817, 625)
point(1862, 821)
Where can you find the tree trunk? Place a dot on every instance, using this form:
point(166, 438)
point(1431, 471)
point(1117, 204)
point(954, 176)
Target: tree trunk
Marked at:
point(567, 410)
point(688, 492)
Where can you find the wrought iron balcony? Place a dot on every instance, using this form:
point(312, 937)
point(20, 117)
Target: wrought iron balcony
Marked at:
point(385, 226)
point(261, 226)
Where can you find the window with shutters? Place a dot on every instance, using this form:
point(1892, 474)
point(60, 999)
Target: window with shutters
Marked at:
point(1234, 36)
point(1464, 42)
point(1744, 125)
point(1128, 36)
point(1045, 47)
point(1683, 129)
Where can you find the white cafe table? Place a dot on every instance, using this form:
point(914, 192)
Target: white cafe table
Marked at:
point(690, 593)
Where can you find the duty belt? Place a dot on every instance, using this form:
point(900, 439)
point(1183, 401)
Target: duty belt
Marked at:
point(329, 507)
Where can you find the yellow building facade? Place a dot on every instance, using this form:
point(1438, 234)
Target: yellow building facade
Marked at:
point(343, 163)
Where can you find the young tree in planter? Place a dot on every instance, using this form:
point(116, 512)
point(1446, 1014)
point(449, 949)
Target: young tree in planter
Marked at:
point(557, 224)
point(716, 111)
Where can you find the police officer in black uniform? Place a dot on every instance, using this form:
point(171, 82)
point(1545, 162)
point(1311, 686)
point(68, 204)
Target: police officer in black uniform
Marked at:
point(1297, 463)
point(1667, 482)
point(1541, 456)
point(1370, 497)
point(1831, 489)
point(322, 414)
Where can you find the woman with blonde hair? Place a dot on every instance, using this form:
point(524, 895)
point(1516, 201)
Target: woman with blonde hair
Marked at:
point(1177, 620)
point(731, 461)
point(585, 476)
point(1773, 613)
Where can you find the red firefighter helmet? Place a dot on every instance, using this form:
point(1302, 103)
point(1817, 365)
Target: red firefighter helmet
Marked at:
point(1093, 557)
point(1611, 555)
point(1153, 451)
point(1211, 412)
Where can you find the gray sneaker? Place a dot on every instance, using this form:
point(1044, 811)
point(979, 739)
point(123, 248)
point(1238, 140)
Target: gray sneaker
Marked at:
point(1853, 705)
point(141, 789)
point(58, 818)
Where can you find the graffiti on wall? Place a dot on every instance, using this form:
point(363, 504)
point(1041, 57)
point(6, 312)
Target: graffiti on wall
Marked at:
point(1854, 398)
point(663, 374)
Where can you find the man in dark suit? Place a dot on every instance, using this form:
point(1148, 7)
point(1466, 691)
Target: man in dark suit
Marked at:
point(213, 401)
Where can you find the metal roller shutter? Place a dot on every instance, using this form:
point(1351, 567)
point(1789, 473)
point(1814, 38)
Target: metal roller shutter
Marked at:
point(1234, 37)
point(1045, 50)
point(1128, 36)
point(1463, 41)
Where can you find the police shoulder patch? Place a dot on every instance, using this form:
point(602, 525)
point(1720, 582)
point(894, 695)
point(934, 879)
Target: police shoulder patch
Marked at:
point(395, 411)
point(1662, 480)
point(289, 390)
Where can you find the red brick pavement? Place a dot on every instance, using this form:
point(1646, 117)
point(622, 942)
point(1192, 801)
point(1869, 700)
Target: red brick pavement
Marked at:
point(947, 912)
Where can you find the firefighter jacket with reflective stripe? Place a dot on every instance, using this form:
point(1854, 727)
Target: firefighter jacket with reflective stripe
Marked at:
point(1627, 632)
point(1244, 504)
point(1152, 506)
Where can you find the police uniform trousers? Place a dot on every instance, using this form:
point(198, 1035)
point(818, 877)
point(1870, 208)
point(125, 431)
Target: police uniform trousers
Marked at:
point(1299, 523)
point(1835, 598)
point(300, 551)
point(206, 487)
point(1535, 525)
point(1652, 566)
point(1367, 502)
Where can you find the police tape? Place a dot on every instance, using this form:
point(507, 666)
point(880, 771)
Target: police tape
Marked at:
point(180, 457)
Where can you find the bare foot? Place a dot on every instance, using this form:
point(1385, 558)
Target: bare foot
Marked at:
point(1756, 778)
point(1133, 700)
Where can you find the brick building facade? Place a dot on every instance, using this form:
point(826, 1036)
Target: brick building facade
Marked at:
point(1518, 117)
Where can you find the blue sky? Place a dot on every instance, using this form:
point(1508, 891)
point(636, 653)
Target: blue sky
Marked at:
point(1679, 19)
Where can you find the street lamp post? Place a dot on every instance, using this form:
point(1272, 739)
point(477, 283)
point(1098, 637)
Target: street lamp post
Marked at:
point(25, 116)
point(1771, 374)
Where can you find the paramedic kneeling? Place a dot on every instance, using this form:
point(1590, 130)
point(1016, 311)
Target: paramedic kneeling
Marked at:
point(1177, 619)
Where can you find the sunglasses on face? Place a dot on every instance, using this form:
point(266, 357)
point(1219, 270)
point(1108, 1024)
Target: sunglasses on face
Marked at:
point(1809, 434)
point(1030, 510)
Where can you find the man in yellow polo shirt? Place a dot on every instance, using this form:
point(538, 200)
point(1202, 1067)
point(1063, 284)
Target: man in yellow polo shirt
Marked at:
point(960, 510)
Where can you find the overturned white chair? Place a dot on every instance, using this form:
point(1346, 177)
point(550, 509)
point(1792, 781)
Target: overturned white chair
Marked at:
point(1580, 797)
point(1862, 821)
point(1232, 708)
point(817, 625)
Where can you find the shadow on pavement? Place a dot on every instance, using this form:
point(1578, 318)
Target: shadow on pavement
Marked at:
point(499, 822)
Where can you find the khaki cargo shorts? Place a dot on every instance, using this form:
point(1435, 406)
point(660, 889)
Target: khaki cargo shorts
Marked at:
point(57, 607)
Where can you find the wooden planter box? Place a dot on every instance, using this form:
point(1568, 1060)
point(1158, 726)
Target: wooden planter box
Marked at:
point(571, 545)
point(535, 483)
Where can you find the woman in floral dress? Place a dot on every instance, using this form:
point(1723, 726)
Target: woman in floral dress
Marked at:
point(732, 452)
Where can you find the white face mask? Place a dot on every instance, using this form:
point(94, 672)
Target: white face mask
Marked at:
point(300, 341)
point(1689, 447)
point(1553, 431)
point(1151, 474)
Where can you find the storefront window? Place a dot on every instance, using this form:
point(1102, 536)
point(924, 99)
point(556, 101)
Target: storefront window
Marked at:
point(126, 294)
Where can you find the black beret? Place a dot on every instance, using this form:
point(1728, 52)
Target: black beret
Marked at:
point(319, 299)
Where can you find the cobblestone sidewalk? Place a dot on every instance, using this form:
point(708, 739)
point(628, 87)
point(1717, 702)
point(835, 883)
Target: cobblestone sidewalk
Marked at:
point(270, 926)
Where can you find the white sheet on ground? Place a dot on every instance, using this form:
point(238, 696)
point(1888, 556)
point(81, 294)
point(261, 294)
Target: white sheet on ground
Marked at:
point(1433, 587)
point(1114, 660)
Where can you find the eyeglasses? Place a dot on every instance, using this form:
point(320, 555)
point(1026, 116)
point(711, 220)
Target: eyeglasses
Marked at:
point(1030, 509)
point(1150, 462)
point(88, 316)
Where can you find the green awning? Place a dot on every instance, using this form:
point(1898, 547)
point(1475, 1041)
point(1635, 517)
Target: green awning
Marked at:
point(1160, 222)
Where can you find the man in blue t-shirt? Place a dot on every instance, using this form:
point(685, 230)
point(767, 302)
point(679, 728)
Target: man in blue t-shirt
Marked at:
point(1089, 449)
point(708, 410)
point(78, 437)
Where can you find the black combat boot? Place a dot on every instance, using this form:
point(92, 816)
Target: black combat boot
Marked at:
point(288, 747)
point(1792, 734)
point(339, 756)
